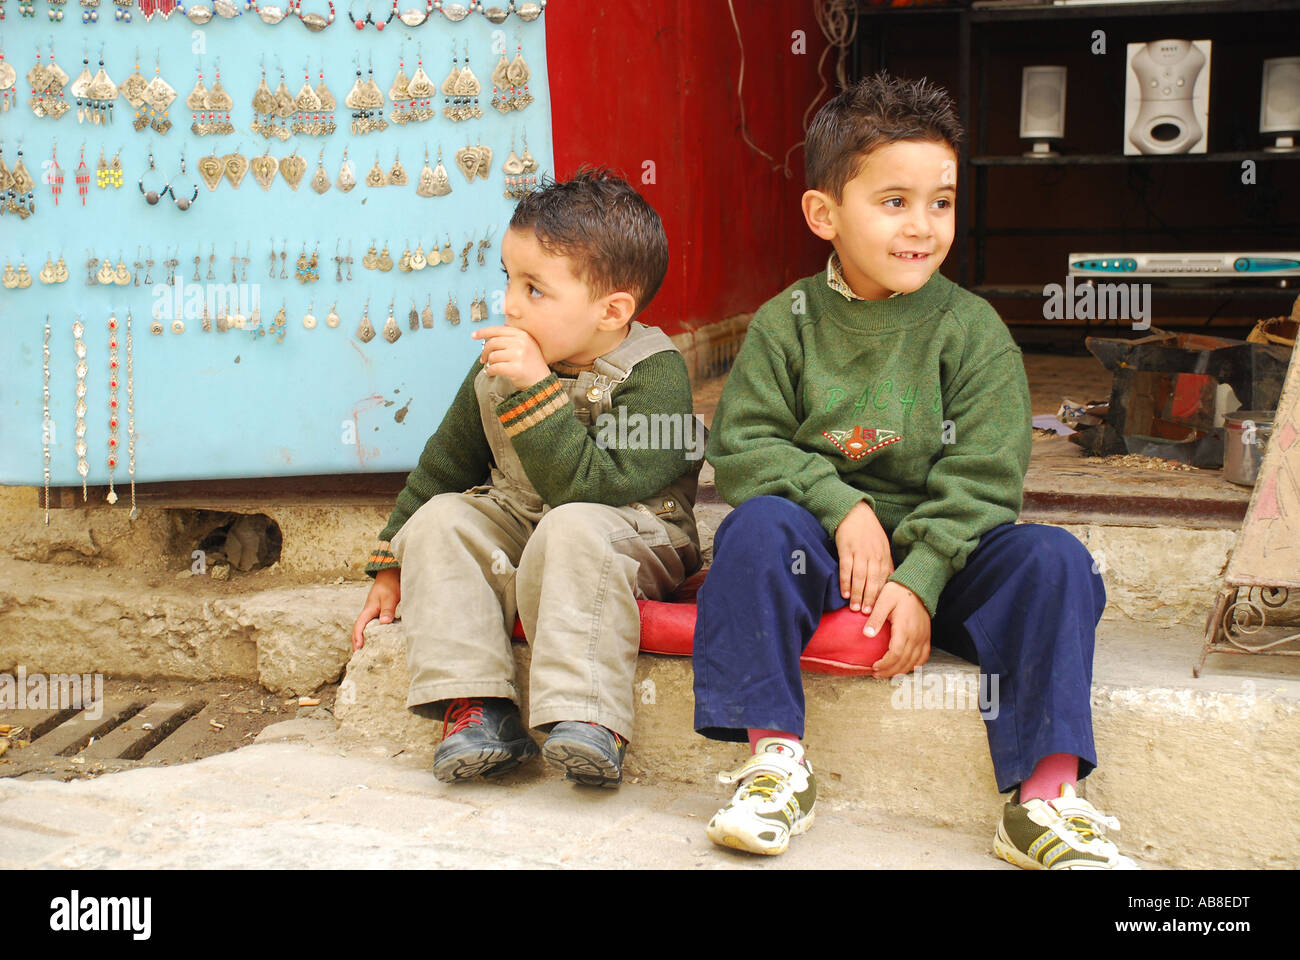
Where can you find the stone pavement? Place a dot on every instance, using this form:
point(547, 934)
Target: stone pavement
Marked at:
point(307, 797)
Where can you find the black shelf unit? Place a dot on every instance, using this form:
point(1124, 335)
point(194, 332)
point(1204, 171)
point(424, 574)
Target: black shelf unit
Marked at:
point(977, 28)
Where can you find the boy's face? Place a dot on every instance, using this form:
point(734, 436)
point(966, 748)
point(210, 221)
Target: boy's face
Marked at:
point(896, 221)
point(548, 302)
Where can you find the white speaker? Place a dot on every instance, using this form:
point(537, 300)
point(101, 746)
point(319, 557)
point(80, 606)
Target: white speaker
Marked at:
point(1042, 108)
point(1279, 101)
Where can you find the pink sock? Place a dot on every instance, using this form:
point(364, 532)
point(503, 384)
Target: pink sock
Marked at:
point(757, 735)
point(1049, 774)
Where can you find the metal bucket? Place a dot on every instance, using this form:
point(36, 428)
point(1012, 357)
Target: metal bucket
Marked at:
point(1246, 434)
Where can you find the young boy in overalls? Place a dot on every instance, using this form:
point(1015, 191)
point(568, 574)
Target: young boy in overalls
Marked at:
point(876, 425)
point(525, 502)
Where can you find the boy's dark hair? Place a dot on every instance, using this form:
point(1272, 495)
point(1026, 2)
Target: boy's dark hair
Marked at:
point(614, 238)
point(875, 111)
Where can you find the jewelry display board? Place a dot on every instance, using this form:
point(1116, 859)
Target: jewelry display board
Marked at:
point(301, 295)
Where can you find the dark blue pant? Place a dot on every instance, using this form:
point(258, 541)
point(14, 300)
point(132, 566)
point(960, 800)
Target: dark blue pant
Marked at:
point(1025, 607)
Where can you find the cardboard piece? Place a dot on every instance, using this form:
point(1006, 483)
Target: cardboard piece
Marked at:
point(1267, 552)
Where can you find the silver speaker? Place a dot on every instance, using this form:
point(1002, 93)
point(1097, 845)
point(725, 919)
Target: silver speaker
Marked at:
point(1042, 108)
point(1279, 102)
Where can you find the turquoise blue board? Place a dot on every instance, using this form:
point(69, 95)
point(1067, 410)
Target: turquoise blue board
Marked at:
point(229, 405)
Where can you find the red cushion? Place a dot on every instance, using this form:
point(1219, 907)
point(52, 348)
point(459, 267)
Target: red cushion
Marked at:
point(837, 646)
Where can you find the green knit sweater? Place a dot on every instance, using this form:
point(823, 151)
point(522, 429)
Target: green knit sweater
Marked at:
point(917, 404)
point(559, 454)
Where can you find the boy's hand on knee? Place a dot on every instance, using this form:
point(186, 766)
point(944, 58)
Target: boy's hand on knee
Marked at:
point(865, 561)
point(512, 353)
point(381, 602)
point(909, 630)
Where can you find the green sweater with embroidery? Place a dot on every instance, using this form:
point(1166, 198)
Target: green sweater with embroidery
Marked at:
point(917, 404)
point(560, 455)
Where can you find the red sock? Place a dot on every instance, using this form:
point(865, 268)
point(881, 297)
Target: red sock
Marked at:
point(757, 735)
point(1049, 774)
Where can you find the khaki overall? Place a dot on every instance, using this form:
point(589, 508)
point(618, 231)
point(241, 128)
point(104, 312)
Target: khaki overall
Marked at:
point(471, 561)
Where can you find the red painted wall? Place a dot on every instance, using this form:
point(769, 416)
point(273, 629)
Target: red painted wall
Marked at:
point(656, 81)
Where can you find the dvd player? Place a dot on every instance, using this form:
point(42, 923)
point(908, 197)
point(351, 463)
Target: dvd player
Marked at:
point(1280, 263)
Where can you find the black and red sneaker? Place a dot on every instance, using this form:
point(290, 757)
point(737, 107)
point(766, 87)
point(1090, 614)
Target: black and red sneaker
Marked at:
point(587, 752)
point(481, 737)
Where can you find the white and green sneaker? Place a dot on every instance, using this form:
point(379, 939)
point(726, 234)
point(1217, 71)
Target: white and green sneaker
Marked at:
point(773, 803)
point(1067, 833)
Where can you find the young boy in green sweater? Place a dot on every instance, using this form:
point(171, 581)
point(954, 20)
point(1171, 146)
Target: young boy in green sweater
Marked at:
point(524, 501)
point(876, 425)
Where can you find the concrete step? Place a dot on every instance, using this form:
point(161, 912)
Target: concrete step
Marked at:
point(1179, 758)
point(1161, 574)
point(307, 802)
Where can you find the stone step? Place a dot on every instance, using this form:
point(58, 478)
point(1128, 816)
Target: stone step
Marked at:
point(1179, 758)
point(1165, 556)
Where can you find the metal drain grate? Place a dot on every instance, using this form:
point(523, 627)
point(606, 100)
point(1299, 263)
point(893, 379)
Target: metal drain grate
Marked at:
point(115, 729)
point(143, 723)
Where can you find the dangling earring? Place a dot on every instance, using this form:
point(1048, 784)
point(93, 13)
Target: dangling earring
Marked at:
point(500, 83)
point(236, 165)
point(483, 245)
point(422, 91)
point(518, 74)
point(54, 176)
point(284, 107)
point(424, 183)
point(413, 318)
point(320, 181)
point(461, 89)
point(333, 319)
point(183, 202)
point(263, 106)
point(391, 330)
point(264, 169)
point(404, 262)
point(398, 92)
point(512, 165)
point(309, 320)
point(376, 177)
point(158, 96)
point(347, 178)
point(418, 259)
point(441, 181)
point(292, 168)
point(426, 315)
point(453, 311)
point(327, 103)
point(278, 325)
point(83, 177)
point(151, 197)
point(81, 448)
point(211, 169)
point(197, 101)
point(530, 165)
point(478, 309)
point(306, 107)
point(365, 332)
point(371, 257)
point(397, 175)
